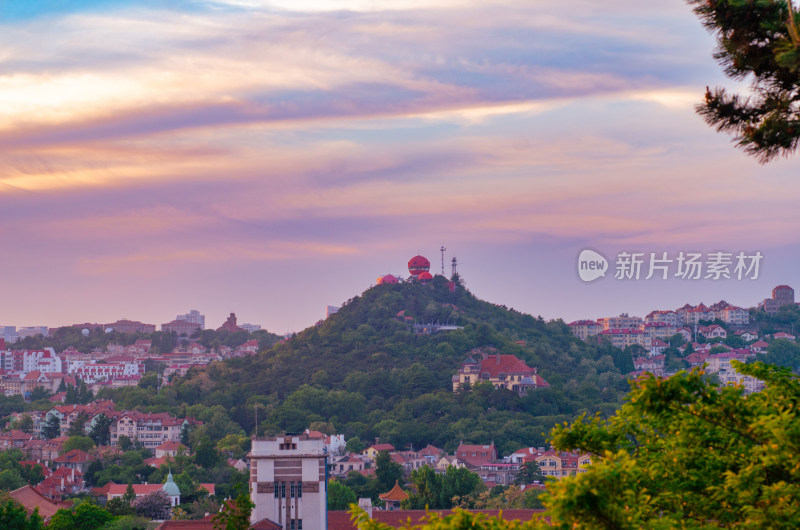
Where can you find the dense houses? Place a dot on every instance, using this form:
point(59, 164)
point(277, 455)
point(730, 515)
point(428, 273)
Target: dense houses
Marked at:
point(22, 370)
point(653, 334)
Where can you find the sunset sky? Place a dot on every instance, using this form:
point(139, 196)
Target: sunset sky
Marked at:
point(272, 157)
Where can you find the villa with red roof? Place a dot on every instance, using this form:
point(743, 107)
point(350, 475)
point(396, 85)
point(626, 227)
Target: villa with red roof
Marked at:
point(372, 451)
point(502, 371)
point(476, 455)
point(784, 336)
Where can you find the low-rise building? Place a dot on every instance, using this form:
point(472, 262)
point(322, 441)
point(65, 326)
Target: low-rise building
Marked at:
point(583, 329)
point(501, 371)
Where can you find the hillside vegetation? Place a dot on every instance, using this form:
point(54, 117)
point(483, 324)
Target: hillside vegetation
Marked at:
point(365, 373)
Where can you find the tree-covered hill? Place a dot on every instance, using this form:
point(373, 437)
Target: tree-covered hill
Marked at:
point(364, 372)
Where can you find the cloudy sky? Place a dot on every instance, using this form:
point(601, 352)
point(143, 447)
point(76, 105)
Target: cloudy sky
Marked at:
point(273, 157)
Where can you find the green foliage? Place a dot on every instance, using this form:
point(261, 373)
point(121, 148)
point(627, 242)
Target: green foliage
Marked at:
point(234, 445)
point(340, 497)
point(84, 443)
point(758, 41)
point(127, 522)
point(13, 475)
point(85, 516)
point(11, 479)
point(78, 394)
point(25, 424)
point(387, 472)
point(205, 454)
point(39, 394)
point(682, 452)
point(14, 516)
point(436, 491)
point(52, 427)
point(529, 473)
point(100, 433)
point(119, 506)
point(455, 521)
point(501, 498)
point(149, 381)
point(77, 427)
point(235, 515)
point(783, 353)
point(124, 443)
point(373, 377)
point(355, 445)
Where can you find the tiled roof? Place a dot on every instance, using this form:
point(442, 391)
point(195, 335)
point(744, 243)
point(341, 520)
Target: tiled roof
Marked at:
point(494, 365)
point(31, 499)
point(395, 494)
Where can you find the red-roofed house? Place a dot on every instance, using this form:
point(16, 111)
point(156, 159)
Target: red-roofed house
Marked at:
point(713, 331)
point(372, 451)
point(170, 448)
point(31, 499)
point(583, 329)
point(658, 346)
point(502, 371)
point(654, 365)
point(784, 336)
point(759, 346)
point(75, 459)
point(476, 455)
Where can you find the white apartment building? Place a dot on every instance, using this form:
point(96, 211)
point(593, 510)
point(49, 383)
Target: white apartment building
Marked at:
point(288, 482)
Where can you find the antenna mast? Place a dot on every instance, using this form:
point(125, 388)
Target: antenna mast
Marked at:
point(442, 251)
point(454, 265)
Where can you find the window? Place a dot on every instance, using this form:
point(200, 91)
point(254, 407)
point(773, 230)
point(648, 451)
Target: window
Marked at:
point(283, 490)
point(276, 490)
point(291, 490)
point(300, 490)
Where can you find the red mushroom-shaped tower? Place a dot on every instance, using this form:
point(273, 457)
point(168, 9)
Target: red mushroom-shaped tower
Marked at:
point(418, 264)
point(388, 279)
point(425, 276)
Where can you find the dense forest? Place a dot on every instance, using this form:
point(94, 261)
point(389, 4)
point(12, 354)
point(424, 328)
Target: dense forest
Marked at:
point(365, 373)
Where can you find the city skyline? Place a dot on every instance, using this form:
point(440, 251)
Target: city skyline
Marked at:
point(272, 158)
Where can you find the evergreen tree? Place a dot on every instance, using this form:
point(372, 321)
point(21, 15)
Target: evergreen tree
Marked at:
point(78, 424)
point(99, 432)
point(386, 471)
point(340, 497)
point(757, 41)
point(52, 427)
point(13, 515)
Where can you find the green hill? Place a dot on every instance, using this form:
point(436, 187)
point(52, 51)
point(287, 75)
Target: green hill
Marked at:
point(365, 373)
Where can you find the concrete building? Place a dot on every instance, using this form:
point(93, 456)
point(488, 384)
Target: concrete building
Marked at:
point(621, 322)
point(32, 331)
point(193, 317)
point(583, 329)
point(130, 326)
point(181, 327)
point(288, 482)
point(781, 295)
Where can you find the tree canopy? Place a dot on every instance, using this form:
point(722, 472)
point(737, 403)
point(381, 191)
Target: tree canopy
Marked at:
point(682, 452)
point(758, 41)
